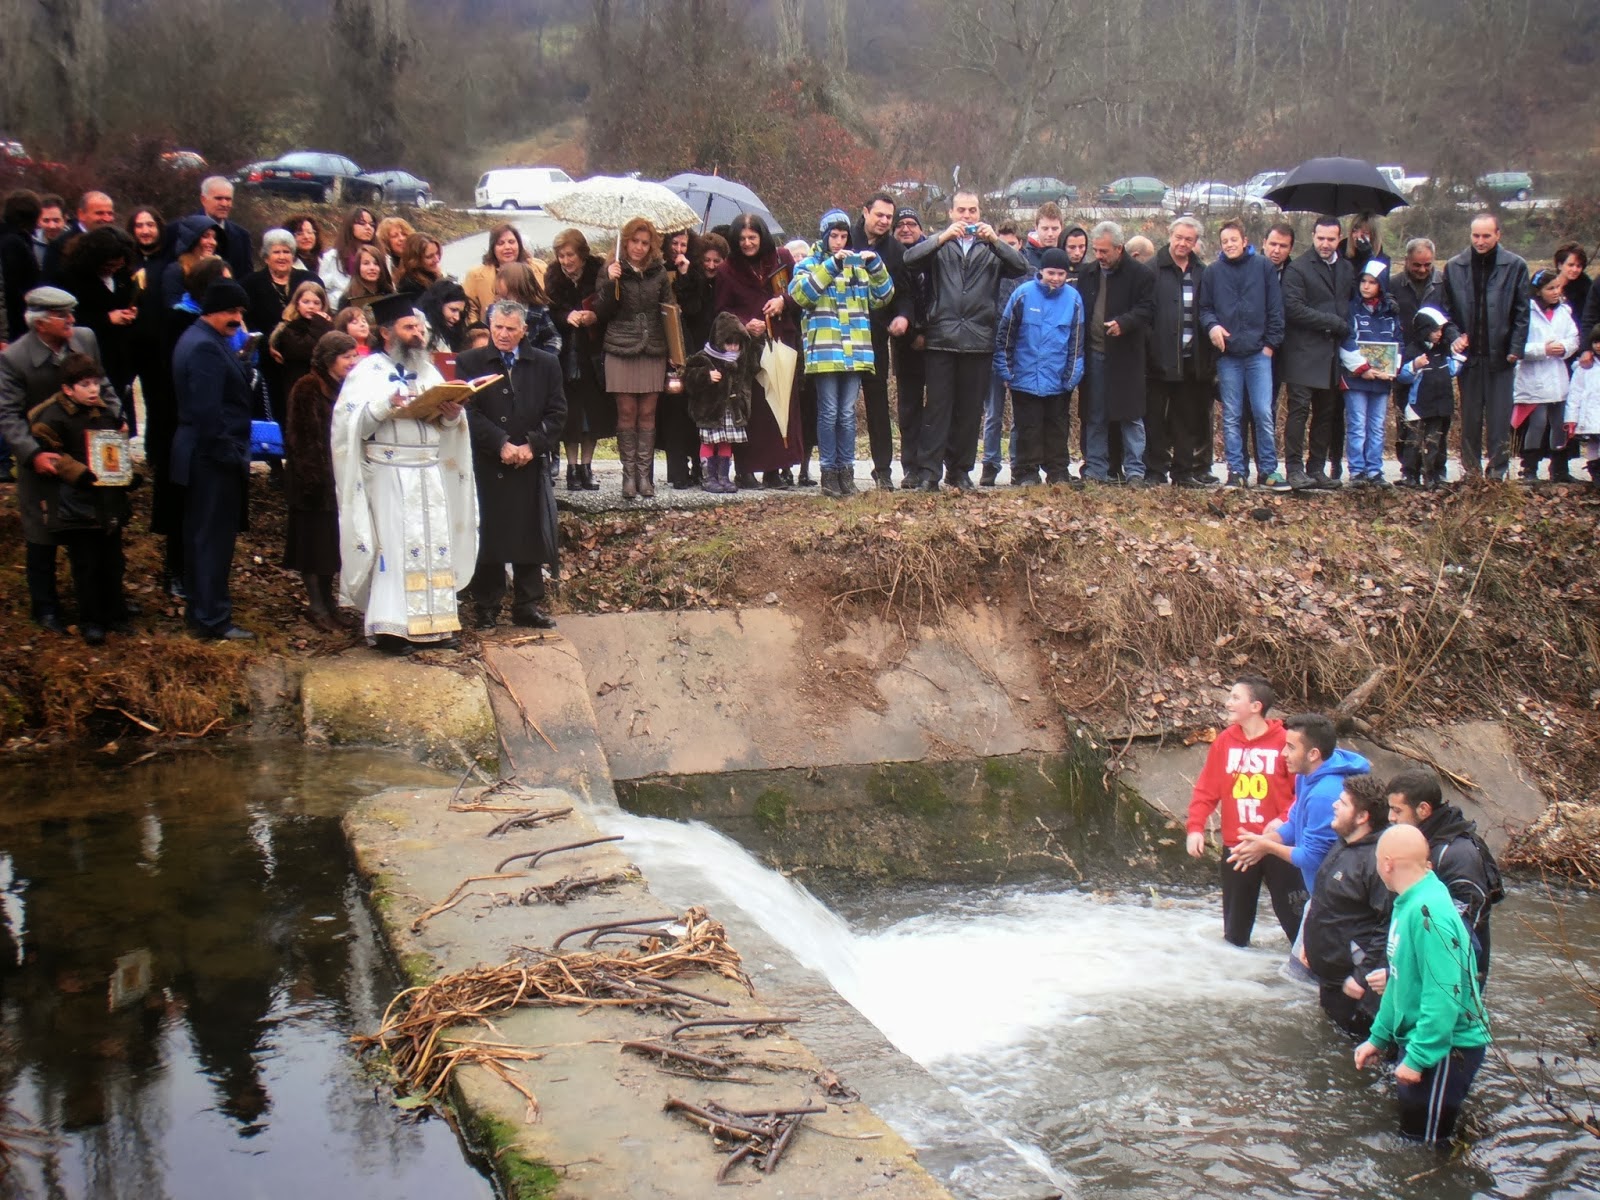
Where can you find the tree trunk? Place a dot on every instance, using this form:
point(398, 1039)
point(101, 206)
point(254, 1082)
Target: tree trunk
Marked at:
point(71, 37)
point(791, 18)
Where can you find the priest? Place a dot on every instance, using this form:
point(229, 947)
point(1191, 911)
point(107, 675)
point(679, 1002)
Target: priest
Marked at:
point(408, 508)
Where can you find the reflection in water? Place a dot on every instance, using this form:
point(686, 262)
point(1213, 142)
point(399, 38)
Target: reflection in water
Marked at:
point(183, 953)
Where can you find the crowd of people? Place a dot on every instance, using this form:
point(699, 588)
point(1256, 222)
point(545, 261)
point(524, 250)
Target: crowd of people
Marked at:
point(668, 347)
point(1384, 889)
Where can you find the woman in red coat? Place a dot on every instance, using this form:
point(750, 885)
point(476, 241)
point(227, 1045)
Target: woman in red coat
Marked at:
point(753, 285)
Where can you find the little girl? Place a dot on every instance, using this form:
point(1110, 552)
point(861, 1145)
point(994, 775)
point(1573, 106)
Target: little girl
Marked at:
point(1541, 375)
point(718, 381)
point(352, 319)
point(1583, 410)
point(304, 322)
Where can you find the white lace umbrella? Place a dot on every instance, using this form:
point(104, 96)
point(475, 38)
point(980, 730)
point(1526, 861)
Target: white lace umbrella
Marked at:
point(608, 202)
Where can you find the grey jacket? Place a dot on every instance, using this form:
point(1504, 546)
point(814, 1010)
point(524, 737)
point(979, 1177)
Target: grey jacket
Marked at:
point(963, 290)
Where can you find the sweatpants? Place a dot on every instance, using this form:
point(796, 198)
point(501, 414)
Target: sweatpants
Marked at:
point(1241, 892)
point(1040, 424)
point(952, 414)
point(1428, 1110)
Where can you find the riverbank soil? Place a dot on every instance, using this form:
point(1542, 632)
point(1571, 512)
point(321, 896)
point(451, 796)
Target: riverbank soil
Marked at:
point(1400, 610)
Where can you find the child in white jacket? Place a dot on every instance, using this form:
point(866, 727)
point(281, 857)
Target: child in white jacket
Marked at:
point(1583, 410)
point(1542, 380)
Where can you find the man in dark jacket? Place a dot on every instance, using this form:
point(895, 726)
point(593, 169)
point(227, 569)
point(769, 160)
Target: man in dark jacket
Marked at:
point(235, 245)
point(18, 266)
point(963, 267)
point(95, 209)
point(1241, 314)
point(1119, 307)
point(910, 352)
point(1181, 371)
point(1460, 858)
point(514, 424)
point(30, 373)
point(1486, 295)
point(211, 456)
point(1317, 288)
point(1346, 928)
point(874, 230)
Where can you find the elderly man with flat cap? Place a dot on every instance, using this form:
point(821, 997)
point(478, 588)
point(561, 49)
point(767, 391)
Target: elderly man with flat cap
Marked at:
point(30, 373)
point(211, 455)
point(408, 503)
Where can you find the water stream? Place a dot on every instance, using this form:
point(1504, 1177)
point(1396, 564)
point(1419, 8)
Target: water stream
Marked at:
point(1120, 1047)
point(184, 954)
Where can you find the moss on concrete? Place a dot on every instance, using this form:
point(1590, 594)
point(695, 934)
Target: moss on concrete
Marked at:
point(521, 1177)
point(772, 808)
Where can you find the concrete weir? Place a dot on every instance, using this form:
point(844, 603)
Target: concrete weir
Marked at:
point(749, 722)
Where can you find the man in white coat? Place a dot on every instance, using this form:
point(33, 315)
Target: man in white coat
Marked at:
point(408, 507)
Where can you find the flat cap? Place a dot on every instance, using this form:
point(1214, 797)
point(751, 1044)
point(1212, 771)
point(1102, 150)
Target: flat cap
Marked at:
point(50, 299)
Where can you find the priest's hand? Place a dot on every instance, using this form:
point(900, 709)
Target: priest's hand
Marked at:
point(448, 412)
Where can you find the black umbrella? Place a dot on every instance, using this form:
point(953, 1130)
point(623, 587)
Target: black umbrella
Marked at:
point(1339, 186)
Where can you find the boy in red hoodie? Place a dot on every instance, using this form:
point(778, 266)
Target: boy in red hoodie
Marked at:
point(1245, 774)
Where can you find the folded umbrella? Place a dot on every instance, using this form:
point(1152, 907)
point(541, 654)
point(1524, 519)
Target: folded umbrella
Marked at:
point(775, 372)
point(1337, 186)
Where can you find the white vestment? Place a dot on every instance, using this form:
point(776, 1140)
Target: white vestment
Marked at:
point(408, 507)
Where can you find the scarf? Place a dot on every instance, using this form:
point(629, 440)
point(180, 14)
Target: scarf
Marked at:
point(719, 354)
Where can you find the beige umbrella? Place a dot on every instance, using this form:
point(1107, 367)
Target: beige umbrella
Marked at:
point(610, 202)
point(775, 373)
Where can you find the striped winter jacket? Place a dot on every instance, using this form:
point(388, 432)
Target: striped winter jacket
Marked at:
point(838, 301)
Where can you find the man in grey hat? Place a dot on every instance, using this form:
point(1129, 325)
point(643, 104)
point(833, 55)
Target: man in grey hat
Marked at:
point(211, 456)
point(29, 375)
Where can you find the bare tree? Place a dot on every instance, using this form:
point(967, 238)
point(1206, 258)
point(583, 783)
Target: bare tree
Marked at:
point(68, 36)
point(371, 51)
point(790, 16)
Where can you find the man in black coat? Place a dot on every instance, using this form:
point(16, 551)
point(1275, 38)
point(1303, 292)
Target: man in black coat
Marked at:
point(1119, 304)
point(514, 423)
point(963, 266)
point(235, 246)
point(30, 373)
point(874, 231)
point(211, 456)
point(95, 209)
point(1486, 294)
point(18, 267)
point(1182, 367)
point(1317, 289)
point(1346, 926)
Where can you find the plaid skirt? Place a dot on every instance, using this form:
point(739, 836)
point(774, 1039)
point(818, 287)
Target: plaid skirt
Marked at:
point(725, 434)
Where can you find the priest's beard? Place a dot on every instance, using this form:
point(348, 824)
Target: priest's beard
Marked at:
point(412, 360)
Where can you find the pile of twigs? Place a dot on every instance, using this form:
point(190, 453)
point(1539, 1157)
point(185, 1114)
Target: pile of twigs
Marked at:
point(414, 1028)
point(758, 1136)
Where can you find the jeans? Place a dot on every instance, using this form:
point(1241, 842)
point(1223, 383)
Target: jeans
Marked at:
point(1247, 381)
point(1365, 414)
point(994, 419)
point(1096, 459)
point(836, 418)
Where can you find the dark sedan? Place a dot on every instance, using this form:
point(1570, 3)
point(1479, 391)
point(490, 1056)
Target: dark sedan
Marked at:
point(401, 187)
point(330, 178)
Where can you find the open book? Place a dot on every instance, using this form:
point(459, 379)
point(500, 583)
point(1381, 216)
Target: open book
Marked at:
point(426, 406)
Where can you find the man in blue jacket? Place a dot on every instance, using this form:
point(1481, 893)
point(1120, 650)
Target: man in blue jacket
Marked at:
point(1311, 751)
point(1039, 353)
point(211, 456)
point(1241, 311)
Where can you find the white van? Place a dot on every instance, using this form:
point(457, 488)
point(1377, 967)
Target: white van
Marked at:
point(518, 187)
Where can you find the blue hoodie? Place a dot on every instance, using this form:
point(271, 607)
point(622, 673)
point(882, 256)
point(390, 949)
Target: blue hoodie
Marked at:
point(1309, 827)
point(1039, 343)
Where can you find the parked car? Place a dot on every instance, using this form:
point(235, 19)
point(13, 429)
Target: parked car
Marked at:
point(184, 160)
point(519, 187)
point(401, 187)
point(1262, 182)
point(1132, 190)
point(14, 155)
point(1505, 185)
point(1032, 191)
point(916, 191)
point(1208, 196)
point(316, 174)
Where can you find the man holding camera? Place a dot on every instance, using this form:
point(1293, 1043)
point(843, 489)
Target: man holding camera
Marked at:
point(963, 267)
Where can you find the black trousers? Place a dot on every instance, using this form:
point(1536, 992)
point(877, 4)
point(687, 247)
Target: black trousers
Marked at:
point(875, 387)
point(488, 589)
point(1353, 1016)
point(1041, 424)
point(40, 569)
point(97, 569)
point(911, 383)
point(1177, 427)
point(213, 502)
point(1486, 398)
point(952, 414)
point(678, 437)
point(1312, 411)
point(1241, 893)
point(1424, 451)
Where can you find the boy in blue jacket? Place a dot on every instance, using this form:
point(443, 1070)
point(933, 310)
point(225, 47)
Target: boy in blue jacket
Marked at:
point(1373, 318)
point(1427, 374)
point(1039, 353)
point(1311, 751)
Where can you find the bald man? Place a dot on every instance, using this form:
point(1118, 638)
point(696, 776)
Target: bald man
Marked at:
point(1432, 1013)
point(94, 210)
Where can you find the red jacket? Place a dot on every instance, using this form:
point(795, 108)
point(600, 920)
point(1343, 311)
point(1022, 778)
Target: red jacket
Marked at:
point(1248, 778)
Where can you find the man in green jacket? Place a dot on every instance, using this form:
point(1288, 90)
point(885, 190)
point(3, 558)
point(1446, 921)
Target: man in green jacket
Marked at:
point(1431, 1013)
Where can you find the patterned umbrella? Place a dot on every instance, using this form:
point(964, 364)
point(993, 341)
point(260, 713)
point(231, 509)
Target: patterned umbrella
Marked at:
point(607, 202)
